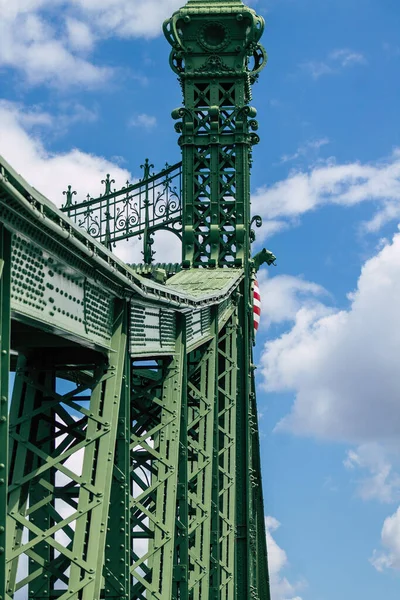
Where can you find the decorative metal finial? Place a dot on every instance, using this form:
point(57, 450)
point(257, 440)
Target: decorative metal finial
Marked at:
point(146, 169)
point(107, 182)
point(69, 193)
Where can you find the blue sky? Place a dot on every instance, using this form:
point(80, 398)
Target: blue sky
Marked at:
point(86, 90)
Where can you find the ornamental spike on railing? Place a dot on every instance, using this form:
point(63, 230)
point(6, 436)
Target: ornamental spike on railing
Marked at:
point(107, 182)
point(69, 193)
point(146, 169)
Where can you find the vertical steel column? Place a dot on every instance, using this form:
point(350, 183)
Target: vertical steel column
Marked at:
point(200, 425)
point(242, 547)
point(43, 428)
point(260, 558)
point(215, 555)
point(222, 568)
point(19, 465)
point(188, 183)
point(5, 294)
point(217, 56)
point(116, 569)
point(90, 532)
point(157, 388)
point(180, 584)
point(227, 409)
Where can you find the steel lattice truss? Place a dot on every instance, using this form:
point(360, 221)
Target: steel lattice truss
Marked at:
point(132, 452)
point(61, 462)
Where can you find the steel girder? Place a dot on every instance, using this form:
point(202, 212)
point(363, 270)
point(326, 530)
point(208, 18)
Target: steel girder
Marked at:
point(258, 544)
point(251, 564)
point(5, 284)
point(223, 567)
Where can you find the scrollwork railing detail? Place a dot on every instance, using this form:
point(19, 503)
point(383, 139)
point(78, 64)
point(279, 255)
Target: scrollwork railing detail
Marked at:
point(139, 209)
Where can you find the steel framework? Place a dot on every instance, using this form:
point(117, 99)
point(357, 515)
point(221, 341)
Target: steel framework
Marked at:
point(133, 448)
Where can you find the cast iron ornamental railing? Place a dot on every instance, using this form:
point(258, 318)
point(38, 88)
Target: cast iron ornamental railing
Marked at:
point(140, 209)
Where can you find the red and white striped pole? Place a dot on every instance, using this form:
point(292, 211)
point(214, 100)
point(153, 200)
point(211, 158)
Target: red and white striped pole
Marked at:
point(256, 306)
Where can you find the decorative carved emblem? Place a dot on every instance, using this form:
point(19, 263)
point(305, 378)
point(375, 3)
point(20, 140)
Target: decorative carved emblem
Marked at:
point(215, 63)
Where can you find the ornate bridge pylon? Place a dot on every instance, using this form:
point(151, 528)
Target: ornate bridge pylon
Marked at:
point(132, 451)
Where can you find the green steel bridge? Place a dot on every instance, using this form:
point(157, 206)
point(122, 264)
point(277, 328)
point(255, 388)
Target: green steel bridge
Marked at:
point(131, 466)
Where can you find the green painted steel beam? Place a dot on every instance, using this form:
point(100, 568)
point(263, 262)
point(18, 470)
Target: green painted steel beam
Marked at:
point(5, 323)
point(116, 566)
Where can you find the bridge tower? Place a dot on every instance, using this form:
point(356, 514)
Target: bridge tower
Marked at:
point(133, 448)
point(217, 56)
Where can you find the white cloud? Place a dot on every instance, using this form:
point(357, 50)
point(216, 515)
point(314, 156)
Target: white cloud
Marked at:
point(390, 538)
point(382, 483)
point(342, 364)
point(36, 119)
point(330, 183)
point(79, 34)
point(341, 58)
point(45, 39)
point(347, 58)
point(282, 296)
point(51, 173)
point(316, 68)
point(29, 43)
point(143, 120)
point(305, 149)
point(141, 18)
point(281, 588)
